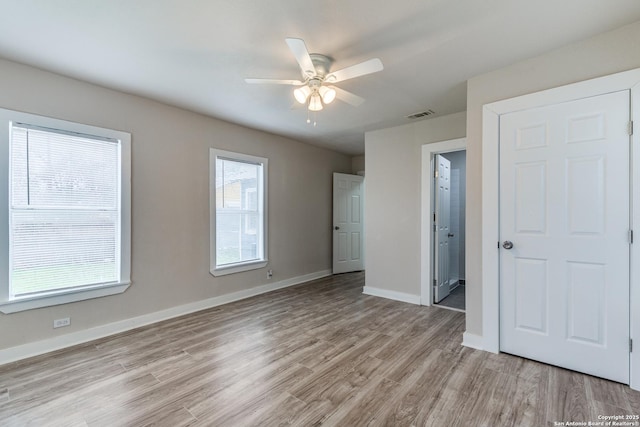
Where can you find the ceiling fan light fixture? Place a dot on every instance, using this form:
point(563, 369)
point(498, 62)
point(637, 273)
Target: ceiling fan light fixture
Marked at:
point(328, 94)
point(315, 102)
point(301, 94)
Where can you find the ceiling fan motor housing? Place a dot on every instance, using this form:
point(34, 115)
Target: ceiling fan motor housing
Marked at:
point(322, 64)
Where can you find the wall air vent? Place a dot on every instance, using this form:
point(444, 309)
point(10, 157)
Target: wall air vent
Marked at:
point(421, 114)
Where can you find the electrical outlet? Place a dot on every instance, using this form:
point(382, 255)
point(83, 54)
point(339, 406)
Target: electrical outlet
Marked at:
point(59, 323)
point(269, 274)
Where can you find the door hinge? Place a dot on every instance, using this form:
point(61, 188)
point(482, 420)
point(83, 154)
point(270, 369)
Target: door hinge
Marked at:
point(434, 217)
point(631, 236)
point(435, 173)
point(630, 345)
point(631, 127)
point(498, 244)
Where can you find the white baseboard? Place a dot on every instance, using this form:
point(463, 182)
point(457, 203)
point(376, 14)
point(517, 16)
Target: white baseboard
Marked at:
point(397, 296)
point(472, 341)
point(24, 351)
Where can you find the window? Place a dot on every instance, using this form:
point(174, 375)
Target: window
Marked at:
point(64, 221)
point(238, 203)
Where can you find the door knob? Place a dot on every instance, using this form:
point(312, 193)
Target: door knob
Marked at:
point(336, 227)
point(507, 244)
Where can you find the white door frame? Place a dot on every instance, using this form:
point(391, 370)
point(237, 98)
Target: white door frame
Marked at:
point(628, 80)
point(426, 235)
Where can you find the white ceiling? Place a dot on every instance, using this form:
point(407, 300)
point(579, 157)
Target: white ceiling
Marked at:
point(196, 53)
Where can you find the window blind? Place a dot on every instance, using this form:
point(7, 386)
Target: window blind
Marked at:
point(64, 210)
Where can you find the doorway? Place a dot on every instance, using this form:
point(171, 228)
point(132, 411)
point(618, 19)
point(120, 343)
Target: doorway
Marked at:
point(348, 224)
point(449, 183)
point(564, 232)
point(496, 245)
point(428, 235)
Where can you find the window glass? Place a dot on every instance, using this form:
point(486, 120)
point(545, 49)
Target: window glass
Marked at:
point(239, 209)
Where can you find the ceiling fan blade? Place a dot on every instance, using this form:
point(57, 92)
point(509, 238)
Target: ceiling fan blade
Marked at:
point(348, 97)
point(275, 82)
point(301, 53)
point(367, 67)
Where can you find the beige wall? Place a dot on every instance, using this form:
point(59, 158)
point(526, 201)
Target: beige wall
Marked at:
point(357, 164)
point(170, 225)
point(393, 195)
point(607, 53)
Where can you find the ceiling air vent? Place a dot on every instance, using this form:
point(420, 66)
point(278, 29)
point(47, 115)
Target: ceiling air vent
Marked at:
point(421, 114)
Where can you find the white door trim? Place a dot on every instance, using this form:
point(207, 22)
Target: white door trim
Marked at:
point(490, 190)
point(426, 236)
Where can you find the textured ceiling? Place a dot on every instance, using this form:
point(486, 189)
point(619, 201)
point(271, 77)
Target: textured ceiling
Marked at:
point(196, 53)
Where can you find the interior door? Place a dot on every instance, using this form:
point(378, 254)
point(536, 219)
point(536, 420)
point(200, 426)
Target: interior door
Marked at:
point(348, 230)
point(564, 231)
point(442, 227)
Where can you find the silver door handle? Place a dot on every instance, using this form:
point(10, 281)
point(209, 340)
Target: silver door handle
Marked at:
point(507, 244)
point(336, 228)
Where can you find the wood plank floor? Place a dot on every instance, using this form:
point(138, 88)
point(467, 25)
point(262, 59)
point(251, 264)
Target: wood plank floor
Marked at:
point(319, 353)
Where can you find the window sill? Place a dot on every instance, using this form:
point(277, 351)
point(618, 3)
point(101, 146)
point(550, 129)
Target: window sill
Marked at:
point(31, 303)
point(237, 268)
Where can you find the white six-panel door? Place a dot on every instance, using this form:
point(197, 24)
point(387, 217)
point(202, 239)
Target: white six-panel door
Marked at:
point(442, 223)
point(348, 227)
point(564, 208)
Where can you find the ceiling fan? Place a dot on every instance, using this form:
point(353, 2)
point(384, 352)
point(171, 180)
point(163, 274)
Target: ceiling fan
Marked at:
point(315, 89)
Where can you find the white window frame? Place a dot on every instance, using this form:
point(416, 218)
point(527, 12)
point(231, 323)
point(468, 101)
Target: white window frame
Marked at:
point(214, 269)
point(12, 305)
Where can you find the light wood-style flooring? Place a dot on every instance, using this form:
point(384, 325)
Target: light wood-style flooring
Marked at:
point(316, 354)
